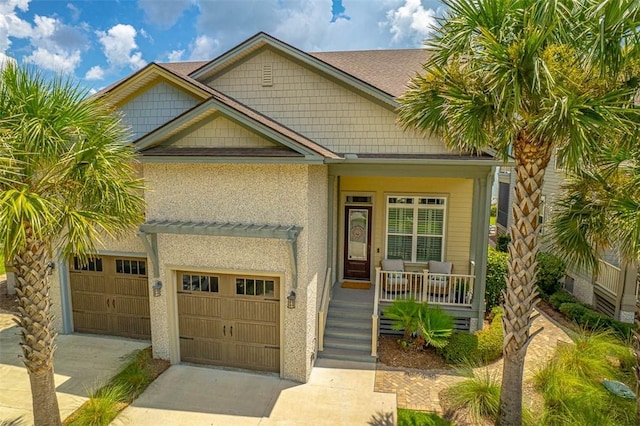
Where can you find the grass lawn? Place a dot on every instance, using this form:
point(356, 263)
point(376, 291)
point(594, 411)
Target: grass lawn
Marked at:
point(419, 418)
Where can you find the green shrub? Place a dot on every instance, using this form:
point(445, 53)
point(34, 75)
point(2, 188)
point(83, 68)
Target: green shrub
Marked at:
point(460, 349)
point(502, 242)
point(560, 297)
point(496, 278)
point(494, 210)
point(586, 317)
point(490, 339)
point(551, 269)
point(479, 396)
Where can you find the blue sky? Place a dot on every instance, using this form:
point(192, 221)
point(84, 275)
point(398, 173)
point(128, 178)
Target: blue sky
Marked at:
point(101, 41)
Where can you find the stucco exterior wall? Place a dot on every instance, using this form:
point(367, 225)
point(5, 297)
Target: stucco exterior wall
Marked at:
point(459, 193)
point(222, 133)
point(154, 107)
point(274, 194)
point(326, 112)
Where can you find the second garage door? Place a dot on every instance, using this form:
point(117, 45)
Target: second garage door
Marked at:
point(229, 320)
point(110, 295)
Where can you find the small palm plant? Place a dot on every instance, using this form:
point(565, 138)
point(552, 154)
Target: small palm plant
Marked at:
point(404, 314)
point(434, 326)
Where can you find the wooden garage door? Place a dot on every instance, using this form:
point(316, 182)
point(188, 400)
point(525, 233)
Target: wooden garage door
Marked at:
point(110, 295)
point(229, 320)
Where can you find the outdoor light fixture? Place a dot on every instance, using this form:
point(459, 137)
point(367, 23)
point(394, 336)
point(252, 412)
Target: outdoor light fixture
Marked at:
point(291, 300)
point(157, 289)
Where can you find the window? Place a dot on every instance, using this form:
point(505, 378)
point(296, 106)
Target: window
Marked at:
point(255, 287)
point(541, 213)
point(131, 267)
point(199, 282)
point(93, 264)
point(415, 228)
point(503, 204)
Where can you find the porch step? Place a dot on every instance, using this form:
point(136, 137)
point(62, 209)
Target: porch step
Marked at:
point(347, 333)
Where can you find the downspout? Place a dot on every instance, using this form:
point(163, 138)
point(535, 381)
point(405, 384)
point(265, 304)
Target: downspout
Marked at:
point(151, 246)
point(292, 245)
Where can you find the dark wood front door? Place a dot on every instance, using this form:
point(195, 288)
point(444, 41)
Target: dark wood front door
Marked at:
point(357, 242)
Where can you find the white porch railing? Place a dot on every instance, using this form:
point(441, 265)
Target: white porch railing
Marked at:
point(438, 289)
point(324, 309)
point(608, 277)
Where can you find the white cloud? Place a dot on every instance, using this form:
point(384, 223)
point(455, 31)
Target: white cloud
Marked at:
point(119, 46)
point(410, 21)
point(63, 62)
point(95, 73)
point(75, 12)
point(56, 47)
point(203, 48)
point(10, 24)
point(175, 55)
point(163, 14)
point(4, 60)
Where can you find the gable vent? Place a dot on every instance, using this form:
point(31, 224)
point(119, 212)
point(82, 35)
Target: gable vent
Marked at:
point(267, 75)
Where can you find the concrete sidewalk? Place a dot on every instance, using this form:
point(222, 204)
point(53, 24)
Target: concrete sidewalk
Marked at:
point(82, 363)
point(338, 393)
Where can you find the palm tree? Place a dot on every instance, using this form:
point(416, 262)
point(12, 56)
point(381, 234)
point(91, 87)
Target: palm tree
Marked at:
point(529, 78)
point(70, 180)
point(599, 210)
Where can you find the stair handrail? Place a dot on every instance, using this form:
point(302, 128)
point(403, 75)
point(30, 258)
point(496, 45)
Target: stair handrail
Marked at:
point(374, 316)
point(324, 309)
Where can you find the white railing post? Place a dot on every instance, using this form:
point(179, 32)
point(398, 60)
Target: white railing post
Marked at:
point(324, 309)
point(374, 317)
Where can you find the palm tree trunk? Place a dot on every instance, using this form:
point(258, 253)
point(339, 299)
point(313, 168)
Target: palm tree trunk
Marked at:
point(532, 157)
point(36, 327)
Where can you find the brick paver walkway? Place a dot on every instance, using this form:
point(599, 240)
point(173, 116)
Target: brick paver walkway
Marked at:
point(419, 389)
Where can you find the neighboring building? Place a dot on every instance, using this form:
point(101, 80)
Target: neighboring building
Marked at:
point(613, 290)
point(274, 174)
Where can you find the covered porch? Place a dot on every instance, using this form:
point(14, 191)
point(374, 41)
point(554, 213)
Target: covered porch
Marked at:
point(415, 213)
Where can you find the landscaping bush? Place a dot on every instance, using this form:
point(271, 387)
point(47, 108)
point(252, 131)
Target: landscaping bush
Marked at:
point(490, 339)
point(560, 297)
point(494, 210)
point(587, 318)
point(502, 242)
point(496, 278)
point(461, 348)
point(418, 418)
point(404, 314)
point(551, 269)
point(423, 325)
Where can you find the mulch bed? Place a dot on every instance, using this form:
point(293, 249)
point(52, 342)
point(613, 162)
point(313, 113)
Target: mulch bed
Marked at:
point(391, 354)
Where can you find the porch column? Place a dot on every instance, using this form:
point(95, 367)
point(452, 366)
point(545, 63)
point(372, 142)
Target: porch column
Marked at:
point(627, 307)
point(480, 243)
point(332, 223)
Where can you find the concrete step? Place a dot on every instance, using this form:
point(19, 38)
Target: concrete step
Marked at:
point(347, 344)
point(336, 303)
point(354, 323)
point(346, 313)
point(356, 334)
point(345, 355)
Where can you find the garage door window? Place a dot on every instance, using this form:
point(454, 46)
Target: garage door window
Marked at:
point(204, 283)
point(254, 287)
point(94, 264)
point(131, 267)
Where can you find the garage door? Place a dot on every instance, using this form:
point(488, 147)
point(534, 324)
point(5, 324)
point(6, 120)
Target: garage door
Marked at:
point(229, 320)
point(110, 295)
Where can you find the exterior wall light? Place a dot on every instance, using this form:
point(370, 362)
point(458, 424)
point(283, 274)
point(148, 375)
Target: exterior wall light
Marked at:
point(291, 300)
point(157, 289)
point(51, 266)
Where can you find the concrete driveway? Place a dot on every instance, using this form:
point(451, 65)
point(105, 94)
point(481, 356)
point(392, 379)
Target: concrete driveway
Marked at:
point(82, 363)
point(338, 393)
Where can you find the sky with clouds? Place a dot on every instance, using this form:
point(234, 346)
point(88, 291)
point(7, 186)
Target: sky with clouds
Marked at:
point(101, 41)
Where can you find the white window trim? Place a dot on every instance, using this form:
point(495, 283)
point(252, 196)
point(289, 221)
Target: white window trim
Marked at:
point(414, 235)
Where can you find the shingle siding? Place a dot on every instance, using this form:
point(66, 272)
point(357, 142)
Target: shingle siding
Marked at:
point(222, 133)
point(336, 117)
point(155, 107)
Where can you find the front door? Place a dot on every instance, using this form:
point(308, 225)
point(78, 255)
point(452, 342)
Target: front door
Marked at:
point(357, 243)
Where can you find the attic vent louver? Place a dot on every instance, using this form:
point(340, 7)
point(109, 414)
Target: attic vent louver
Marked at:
point(267, 75)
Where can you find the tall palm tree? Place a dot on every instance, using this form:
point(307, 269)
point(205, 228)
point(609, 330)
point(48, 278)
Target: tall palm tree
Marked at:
point(599, 210)
point(526, 77)
point(70, 180)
